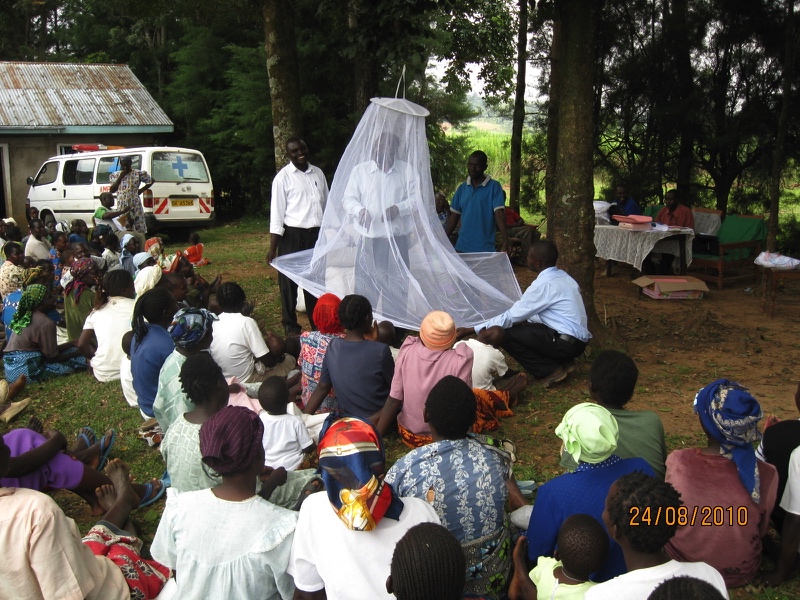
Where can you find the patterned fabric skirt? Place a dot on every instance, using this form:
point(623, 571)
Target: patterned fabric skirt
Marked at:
point(33, 365)
point(489, 564)
point(492, 405)
point(145, 577)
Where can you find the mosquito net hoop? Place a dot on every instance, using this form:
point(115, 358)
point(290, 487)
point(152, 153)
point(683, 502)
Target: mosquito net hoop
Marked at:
point(380, 236)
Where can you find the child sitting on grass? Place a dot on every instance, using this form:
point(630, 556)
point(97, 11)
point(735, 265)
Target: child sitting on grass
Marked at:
point(582, 550)
point(194, 253)
point(286, 439)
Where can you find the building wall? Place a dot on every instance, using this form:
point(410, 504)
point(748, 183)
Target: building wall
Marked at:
point(27, 153)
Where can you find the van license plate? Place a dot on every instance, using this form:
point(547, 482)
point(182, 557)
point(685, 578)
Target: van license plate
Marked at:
point(183, 203)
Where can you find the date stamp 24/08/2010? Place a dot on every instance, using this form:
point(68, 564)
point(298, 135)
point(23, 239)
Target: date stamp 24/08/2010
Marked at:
point(705, 516)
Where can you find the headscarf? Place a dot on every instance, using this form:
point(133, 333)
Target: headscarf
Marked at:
point(326, 314)
point(31, 298)
point(125, 239)
point(352, 462)
point(32, 274)
point(230, 440)
point(80, 268)
point(155, 247)
point(590, 433)
point(140, 257)
point(190, 326)
point(146, 279)
point(438, 331)
point(730, 414)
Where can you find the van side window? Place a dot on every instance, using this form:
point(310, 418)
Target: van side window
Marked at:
point(78, 172)
point(47, 174)
point(110, 164)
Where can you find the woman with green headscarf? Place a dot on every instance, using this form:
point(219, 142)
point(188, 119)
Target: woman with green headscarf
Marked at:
point(32, 349)
point(589, 434)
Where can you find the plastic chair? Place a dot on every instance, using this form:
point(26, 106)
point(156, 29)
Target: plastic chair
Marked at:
point(740, 241)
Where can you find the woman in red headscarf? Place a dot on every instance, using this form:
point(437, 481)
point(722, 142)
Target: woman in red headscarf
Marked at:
point(314, 344)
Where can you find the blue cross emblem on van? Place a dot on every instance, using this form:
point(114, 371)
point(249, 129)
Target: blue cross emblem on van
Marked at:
point(180, 166)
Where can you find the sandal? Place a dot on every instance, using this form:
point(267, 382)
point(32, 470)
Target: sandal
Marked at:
point(149, 496)
point(90, 437)
point(105, 449)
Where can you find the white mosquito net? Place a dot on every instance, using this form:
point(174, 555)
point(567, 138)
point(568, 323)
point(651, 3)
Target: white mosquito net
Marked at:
point(380, 236)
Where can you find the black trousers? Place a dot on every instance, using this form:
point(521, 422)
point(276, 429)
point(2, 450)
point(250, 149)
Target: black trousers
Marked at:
point(294, 240)
point(539, 349)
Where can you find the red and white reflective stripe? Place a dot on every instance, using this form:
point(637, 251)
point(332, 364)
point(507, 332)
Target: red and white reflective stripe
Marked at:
point(204, 208)
point(162, 206)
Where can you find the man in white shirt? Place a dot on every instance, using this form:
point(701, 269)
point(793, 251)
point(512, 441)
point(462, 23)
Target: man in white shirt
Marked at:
point(299, 192)
point(377, 198)
point(642, 513)
point(37, 246)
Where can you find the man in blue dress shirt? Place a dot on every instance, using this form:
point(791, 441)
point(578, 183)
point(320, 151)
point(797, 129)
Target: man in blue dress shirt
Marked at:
point(545, 330)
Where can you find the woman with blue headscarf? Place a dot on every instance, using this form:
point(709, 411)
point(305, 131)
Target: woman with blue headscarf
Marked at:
point(191, 331)
point(345, 536)
point(727, 493)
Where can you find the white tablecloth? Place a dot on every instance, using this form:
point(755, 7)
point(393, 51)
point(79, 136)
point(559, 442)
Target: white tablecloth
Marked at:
point(631, 247)
point(706, 223)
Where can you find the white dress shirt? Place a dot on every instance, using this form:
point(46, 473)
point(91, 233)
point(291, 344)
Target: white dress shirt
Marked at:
point(298, 198)
point(371, 189)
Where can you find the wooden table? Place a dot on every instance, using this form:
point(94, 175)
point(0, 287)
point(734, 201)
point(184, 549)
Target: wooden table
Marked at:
point(632, 247)
point(771, 278)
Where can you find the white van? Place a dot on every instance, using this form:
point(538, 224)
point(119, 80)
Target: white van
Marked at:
point(68, 186)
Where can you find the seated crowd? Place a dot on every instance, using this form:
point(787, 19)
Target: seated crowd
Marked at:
point(255, 426)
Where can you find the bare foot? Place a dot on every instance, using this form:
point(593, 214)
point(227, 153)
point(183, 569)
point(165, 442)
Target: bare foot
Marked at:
point(15, 388)
point(515, 388)
point(35, 424)
point(106, 495)
point(521, 586)
point(119, 474)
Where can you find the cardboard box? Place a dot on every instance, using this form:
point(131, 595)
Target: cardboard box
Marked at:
point(671, 287)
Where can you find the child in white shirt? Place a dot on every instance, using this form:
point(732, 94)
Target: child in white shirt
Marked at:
point(286, 439)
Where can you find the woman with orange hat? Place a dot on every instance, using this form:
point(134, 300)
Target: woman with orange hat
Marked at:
point(421, 364)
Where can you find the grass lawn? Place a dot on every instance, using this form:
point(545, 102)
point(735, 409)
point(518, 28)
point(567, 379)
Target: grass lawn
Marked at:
point(237, 250)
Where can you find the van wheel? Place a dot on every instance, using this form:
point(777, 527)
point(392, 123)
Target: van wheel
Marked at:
point(48, 219)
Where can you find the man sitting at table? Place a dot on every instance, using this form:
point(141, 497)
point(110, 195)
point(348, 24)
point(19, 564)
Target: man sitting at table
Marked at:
point(673, 214)
point(623, 204)
point(545, 330)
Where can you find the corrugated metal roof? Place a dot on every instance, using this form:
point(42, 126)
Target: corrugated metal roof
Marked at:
point(34, 95)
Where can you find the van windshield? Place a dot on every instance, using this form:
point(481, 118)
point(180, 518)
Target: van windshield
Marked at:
point(178, 167)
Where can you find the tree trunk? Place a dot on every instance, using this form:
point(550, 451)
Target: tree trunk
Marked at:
point(685, 80)
point(283, 72)
point(552, 114)
point(780, 138)
point(365, 81)
point(519, 106)
point(570, 213)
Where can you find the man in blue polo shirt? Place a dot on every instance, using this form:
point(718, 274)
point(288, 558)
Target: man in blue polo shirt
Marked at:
point(479, 204)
